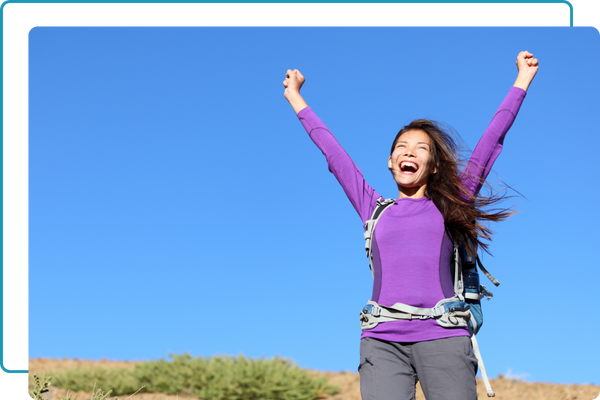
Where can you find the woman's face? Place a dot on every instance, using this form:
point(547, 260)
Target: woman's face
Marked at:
point(411, 161)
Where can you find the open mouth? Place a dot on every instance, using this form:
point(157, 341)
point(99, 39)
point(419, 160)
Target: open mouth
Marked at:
point(408, 167)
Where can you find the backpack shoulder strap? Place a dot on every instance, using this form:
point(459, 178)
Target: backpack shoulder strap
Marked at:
point(382, 205)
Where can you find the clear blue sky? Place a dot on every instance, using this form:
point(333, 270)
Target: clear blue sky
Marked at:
point(177, 204)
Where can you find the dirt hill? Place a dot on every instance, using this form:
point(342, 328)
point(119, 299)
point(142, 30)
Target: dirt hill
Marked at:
point(505, 389)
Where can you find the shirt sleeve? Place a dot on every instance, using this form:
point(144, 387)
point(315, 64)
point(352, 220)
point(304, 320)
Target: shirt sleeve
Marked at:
point(362, 196)
point(490, 145)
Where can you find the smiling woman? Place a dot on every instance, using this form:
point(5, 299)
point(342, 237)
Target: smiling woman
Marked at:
point(411, 162)
point(412, 245)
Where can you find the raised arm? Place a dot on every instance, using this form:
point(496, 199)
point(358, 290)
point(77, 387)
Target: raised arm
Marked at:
point(361, 195)
point(490, 145)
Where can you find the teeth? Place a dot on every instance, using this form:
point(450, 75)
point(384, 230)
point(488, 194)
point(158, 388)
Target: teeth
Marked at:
point(408, 163)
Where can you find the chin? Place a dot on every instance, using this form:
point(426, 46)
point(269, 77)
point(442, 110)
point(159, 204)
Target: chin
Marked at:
point(408, 185)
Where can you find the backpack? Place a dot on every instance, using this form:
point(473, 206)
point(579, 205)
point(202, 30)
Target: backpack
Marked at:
point(463, 310)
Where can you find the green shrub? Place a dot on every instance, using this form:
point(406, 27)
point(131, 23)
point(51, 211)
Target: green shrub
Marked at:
point(231, 378)
point(211, 378)
point(120, 380)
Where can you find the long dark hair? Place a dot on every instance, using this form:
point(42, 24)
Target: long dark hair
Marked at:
point(463, 213)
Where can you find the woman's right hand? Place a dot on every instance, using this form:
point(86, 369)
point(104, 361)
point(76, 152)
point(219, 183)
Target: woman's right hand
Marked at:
point(293, 82)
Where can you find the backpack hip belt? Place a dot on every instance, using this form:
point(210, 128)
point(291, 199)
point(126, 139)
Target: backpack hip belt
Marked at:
point(449, 313)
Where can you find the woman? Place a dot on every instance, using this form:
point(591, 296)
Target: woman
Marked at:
point(412, 245)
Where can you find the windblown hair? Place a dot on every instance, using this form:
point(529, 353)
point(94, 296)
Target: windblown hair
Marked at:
point(463, 213)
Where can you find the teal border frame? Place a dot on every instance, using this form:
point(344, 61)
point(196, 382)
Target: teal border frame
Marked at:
point(22, 371)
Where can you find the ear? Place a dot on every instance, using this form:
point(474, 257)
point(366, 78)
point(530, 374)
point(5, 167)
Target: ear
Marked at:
point(390, 162)
point(433, 170)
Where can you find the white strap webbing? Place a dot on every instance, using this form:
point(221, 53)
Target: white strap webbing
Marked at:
point(370, 228)
point(415, 311)
point(458, 276)
point(485, 271)
point(486, 381)
point(485, 292)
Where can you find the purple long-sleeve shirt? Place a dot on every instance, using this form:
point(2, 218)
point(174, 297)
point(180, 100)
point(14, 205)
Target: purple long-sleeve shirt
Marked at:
point(411, 253)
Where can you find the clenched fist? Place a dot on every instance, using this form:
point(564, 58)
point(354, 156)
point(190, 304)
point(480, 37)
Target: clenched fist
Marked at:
point(293, 82)
point(528, 67)
point(526, 64)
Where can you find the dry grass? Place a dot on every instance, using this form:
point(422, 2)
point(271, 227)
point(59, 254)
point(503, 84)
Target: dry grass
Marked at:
point(505, 389)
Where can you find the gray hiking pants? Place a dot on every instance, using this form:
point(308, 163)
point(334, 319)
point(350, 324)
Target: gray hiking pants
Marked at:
point(446, 369)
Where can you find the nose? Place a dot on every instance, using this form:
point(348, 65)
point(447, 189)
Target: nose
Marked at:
point(409, 152)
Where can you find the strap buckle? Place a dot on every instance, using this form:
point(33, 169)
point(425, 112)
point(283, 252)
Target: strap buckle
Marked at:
point(371, 309)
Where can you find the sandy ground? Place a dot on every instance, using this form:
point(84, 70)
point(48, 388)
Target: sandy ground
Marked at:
point(348, 382)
